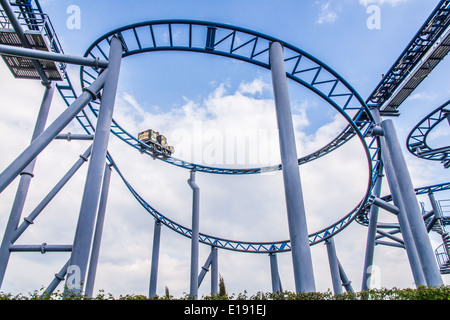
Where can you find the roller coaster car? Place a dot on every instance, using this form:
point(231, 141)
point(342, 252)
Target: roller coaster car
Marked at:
point(153, 141)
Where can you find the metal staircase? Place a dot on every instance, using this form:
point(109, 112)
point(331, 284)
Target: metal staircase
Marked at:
point(36, 33)
point(438, 225)
point(442, 255)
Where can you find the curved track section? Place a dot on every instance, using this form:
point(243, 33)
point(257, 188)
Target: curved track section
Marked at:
point(417, 139)
point(252, 47)
point(245, 45)
point(236, 245)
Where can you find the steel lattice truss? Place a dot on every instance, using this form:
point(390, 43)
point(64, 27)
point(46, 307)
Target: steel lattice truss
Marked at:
point(248, 46)
point(414, 64)
point(417, 139)
point(237, 43)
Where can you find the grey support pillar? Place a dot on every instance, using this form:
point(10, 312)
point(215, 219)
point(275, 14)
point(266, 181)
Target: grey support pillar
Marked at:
point(90, 200)
point(214, 270)
point(195, 236)
point(98, 233)
point(24, 184)
point(345, 282)
point(211, 262)
point(298, 231)
point(391, 178)
point(334, 266)
point(155, 258)
point(205, 269)
point(418, 229)
point(371, 234)
point(276, 283)
point(435, 206)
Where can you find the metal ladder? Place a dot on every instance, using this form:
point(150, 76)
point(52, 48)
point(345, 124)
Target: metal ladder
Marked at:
point(443, 251)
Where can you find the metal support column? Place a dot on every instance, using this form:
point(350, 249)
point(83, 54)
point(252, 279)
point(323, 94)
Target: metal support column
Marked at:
point(98, 233)
point(195, 235)
point(391, 178)
point(205, 269)
point(418, 229)
point(276, 282)
point(90, 200)
point(214, 270)
point(155, 259)
point(334, 266)
point(298, 231)
point(24, 184)
point(371, 233)
point(345, 282)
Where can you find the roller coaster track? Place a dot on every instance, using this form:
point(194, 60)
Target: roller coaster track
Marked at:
point(424, 52)
point(236, 245)
point(417, 139)
point(322, 80)
point(236, 43)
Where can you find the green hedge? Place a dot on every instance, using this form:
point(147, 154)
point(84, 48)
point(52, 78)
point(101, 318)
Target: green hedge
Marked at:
point(419, 293)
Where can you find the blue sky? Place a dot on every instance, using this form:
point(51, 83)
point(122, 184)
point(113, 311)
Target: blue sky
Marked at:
point(177, 92)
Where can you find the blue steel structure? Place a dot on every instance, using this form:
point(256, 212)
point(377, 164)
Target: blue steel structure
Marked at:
point(417, 139)
point(99, 71)
point(422, 54)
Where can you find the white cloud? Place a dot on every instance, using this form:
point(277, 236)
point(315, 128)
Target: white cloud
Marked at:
point(241, 208)
point(327, 15)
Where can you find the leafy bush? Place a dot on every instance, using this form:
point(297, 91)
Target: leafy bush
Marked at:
point(419, 293)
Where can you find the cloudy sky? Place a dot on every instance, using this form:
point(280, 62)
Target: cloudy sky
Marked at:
point(201, 104)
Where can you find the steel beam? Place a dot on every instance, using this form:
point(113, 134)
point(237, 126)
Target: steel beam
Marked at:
point(214, 270)
point(70, 136)
point(42, 248)
point(371, 233)
point(394, 187)
point(298, 231)
point(412, 209)
point(334, 266)
point(195, 235)
point(204, 269)
point(91, 194)
point(57, 279)
point(345, 281)
point(384, 205)
point(276, 283)
point(24, 184)
point(98, 233)
point(155, 258)
point(51, 56)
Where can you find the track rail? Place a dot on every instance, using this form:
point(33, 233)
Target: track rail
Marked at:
point(417, 139)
